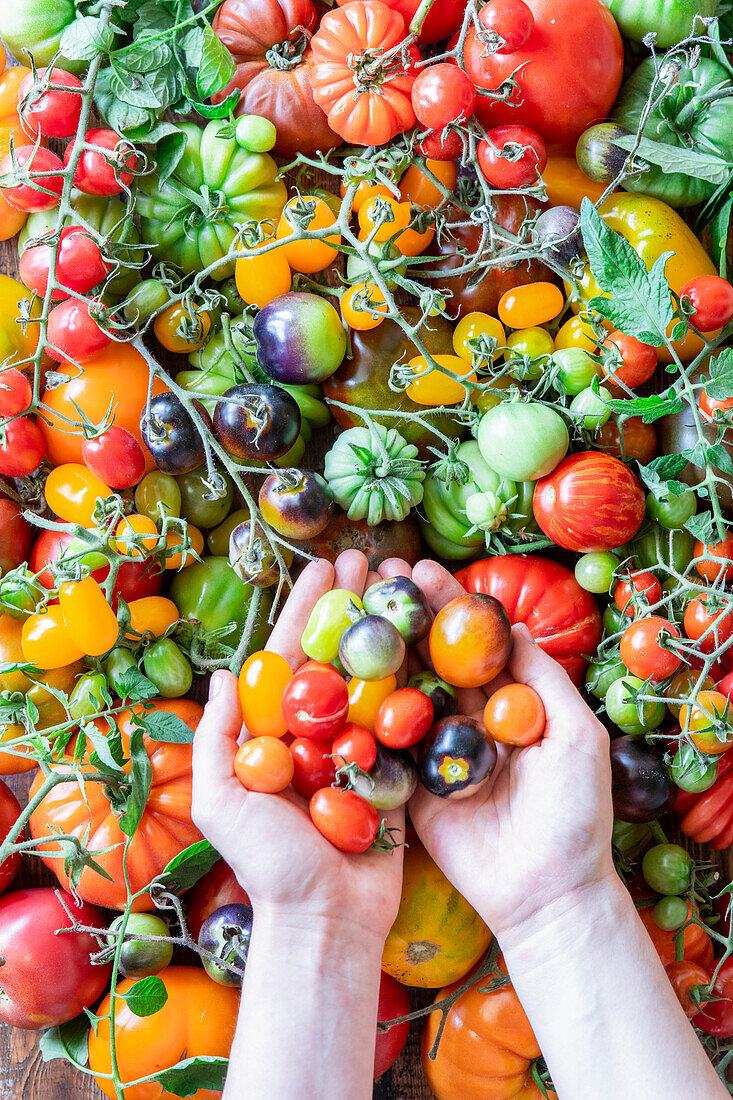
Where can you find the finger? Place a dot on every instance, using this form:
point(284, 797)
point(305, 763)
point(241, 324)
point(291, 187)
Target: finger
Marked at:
point(439, 586)
point(214, 748)
point(395, 567)
point(372, 578)
point(315, 580)
point(350, 569)
point(568, 716)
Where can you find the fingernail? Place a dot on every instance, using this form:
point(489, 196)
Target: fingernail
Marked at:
point(216, 684)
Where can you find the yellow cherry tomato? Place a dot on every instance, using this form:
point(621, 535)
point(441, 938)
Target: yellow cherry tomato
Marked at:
point(382, 217)
point(576, 333)
point(262, 682)
point(534, 344)
point(361, 306)
point(46, 642)
point(436, 388)
point(366, 191)
point(260, 278)
point(174, 541)
point(308, 213)
point(89, 620)
point(72, 492)
point(472, 327)
point(417, 186)
point(366, 697)
point(181, 329)
point(530, 305)
point(135, 536)
point(567, 184)
point(412, 243)
point(709, 722)
point(151, 615)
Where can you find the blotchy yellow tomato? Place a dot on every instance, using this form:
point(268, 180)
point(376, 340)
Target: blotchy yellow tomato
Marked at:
point(262, 681)
point(436, 388)
point(473, 326)
point(709, 723)
point(366, 697)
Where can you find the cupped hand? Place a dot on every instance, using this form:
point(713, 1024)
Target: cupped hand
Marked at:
point(277, 854)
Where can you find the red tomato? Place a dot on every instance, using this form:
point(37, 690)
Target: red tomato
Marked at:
point(562, 617)
point(45, 192)
point(354, 745)
point(73, 333)
point(627, 593)
point(313, 766)
point(9, 814)
point(591, 501)
point(441, 94)
point(315, 703)
point(637, 361)
point(115, 457)
point(712, 300)
point(708, 612)
point(404, 718)
point(684, 975)
point(633, 439)
point(217, 887)
point(79, 264)
point(16, 535)
point(348, 821)
point(394, 1001)
point(716, 1018)
point(108, 168)
point(642, 652)
point(53, 112)
point(707, 818)
point(499, 159)
point(443, 18)
point(47, 979)
point(510, 20)
point(714, 408)
point(568, 71)
point(717, 559)
point(515, 715)
point(22, 449)
point(725, 687)
point(441, 146)
point(16, 392)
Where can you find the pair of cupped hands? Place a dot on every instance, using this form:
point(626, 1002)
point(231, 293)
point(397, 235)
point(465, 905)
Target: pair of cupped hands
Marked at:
point(538, 831)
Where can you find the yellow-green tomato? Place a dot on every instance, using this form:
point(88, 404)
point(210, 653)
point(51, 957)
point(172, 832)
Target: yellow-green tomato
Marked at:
point(576, 369)
point(523, 440)
point(594, 571)
point(630, 713)
point(591, 408)
point(140, 957)
point(531, 348)
point(334, 612)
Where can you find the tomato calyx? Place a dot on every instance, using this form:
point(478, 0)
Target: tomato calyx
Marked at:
point(385, 840)
point(288, 54)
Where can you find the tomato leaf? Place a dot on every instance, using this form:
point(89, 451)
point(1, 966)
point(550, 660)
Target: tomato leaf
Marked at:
point(703, 527)
point(141, 777)
point(147, 996)
point(132, 686)
point(641, 302)
point(661, 473)
point(675, 158)
point(187, 1077)
point(720, 385)
point(161, 725)
point(218, 110)
point(107, 747)
point(717, 455)
point(85, 38)
point(217, 65)
point(649, 408)
point(188, 866)
point(69, 1041)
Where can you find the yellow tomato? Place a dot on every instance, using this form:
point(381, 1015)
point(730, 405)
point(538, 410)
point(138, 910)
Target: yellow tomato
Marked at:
point(436, 388)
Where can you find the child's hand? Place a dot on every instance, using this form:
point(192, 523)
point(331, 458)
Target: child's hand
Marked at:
point(277, 854)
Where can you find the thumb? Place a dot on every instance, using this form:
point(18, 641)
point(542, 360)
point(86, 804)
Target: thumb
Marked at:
point(214, 748)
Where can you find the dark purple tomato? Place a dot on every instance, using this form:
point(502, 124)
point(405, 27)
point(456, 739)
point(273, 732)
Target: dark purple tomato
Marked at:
point(401, 601)
point(443, 696)
point(391, 780)
point(640, 782)
point(557, 232)
point(171, 434)
point(371, 648)
point(252, 557)
point(296, 503)
point(226, 934)
point(300, 338)
point(456, 757)
point(257, 423)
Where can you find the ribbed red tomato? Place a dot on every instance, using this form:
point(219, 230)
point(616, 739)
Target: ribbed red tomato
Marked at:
point(562, 617)
point(708, 817)
point(591, 501)
point(443, 18)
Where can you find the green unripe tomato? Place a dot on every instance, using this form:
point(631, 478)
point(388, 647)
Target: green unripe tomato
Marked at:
point(667, 868)
point(592, 407)
point(334, 612)
point(522, 440)
point(657, 547)
point(256, 134)
point(115, 667)
point(599, 677)
point(692, 771)
point(168, 668)
point(576, 369)
point(629, 714)
point(674, 512)
point(670, 913)
point(630, 839)
point(87, 698)
point(139, 958)
point(218, 539)
point(594, 571)
point(77, 549)
point(614, 620)
point(202, 505)
point(148, 297)
point(158, 495)
point(20, 594)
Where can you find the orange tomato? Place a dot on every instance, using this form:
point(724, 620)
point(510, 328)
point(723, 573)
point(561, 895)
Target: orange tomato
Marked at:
point(366, 191)
point(366, 697)
point(435, 388)
point(381, 218)
point(530, 305)
point(697, 945)
point(197, 1019)
point(174, 541)
point(709, 722)
point(567, 184)
point(717, 560)
point(261, 278)
point(417, 186)
point(515, 715)
point(308, 256)
point(151, 615)
point(72, 492)
point(135, 536)
point(363, 306)
point(470, 640)
point(165, 828)
point(11, 220)
point(10, 764)
point(117, 376)
point(412, 243)
point(262, 681)
point(264, 764)
point(46, 642)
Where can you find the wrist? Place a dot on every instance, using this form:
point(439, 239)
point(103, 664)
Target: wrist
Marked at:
point(317, 937)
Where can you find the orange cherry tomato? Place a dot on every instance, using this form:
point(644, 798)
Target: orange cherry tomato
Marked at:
point(708, 721)
point(260, 278)
point(417, 186)
point(412, 243)
point(642, 652)
point(717, 559)
point(72, 492)
point(366, 191)
point(46, 642)
point(366, 697)
point(515, 715)
point(713, 409)
point(151, 615)
point(530, 305)
point(89, 620)
point(470, 640)
point(567, 184)
point(135, 536)
point(310, 213)
point(174, 541)
point(262, 681)
point(436, 388)
point(363, 306)
point(639, 591)
point(264, 764)
point(181, 329)
point(10, 763)
point(11, 220)
point(382, 217)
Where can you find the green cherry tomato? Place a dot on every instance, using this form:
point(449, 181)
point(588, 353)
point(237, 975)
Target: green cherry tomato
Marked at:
point(657, 548)
point(330, 617)
point(139, 958)
point(256, 134)
point(630, 839)
point(674, 512)
point(591, 407)
point(614, 620)
point(594, 571)
point(622, 708)
point(87, 698)
point(692, 771)
point(158, 495)
point(203, 504)
point(576, 369)
point(150, 296)
point(117, 664)
point(168, 668)
point(599, 677)
point(670, 913)
point(667, 868)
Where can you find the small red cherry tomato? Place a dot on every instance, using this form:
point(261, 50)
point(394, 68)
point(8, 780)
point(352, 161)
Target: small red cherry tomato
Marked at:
point(404, 718)
point(106, 169)
point(683, 976)
point(115, 457)
point(631, 363)
point(515, 715)
point(51, 111)
point(264, 764)
point(354, 745)
point(32, 190)
point(639, 591)
point(22, 448)
point(712, 301)
point(642, 652)
point(347, 820)
point(511, 156)
point(16, 392)
point(315, 703)
point(439, 145)
point(73, 333)
point(709, 614)
point(511, 21)
point(441, 94)
point(713, 408)
point(716, 559)
point(79, 264)
point(313, 766)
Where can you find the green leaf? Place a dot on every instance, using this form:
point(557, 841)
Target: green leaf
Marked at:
point(703, 527)
point(217, 65)
point(108, 747)
point(717, 455)
point(161, 725)
point(661, 473)
point(141, 776)
point(153, 17)
point(118, 114)
point(85, 38)
point(137, 89)
point(144, 55)
point(185, 1078)
point(147, 996)
point(648, 408)
point(720, 385)
point(133, 686)
point(719, 232)
point(171, 148)
point(640, 302)
point(218, 110)
point(185, 869)
point(69, 1041)
point(675, 158)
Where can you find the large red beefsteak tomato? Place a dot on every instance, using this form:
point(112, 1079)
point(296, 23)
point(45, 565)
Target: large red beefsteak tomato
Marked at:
point(568, 72)
point(269, 41)
point(444, 17)
point(591, 501)
point(562, 617)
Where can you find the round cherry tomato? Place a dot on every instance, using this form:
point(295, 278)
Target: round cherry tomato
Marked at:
point(348, 821)
point(716, 1017)
point(31, 188)
point(115, 457)
point(182, 328)
point(511, 156)
point(530, 305)
point(712, 300)
point(628, 439)
point(640, 784)
point(382, 217)
point(686, 976)
point(16, 392)
point(73, 332)
point(670, 913)
point(673, 512)
point(22, 449)
point(630, 362)
point(667, 868)
point(313, 766)
point(363, 306)
point(80, 265)
point(264, 764)
point(515, 715)
point(691, 771)
point(46, 105)
point(470, 640)
point(354, 745)
point(445, 145)
point(315, 703)
point(642, 652)
point(257, 422)
point(404, 718)
point(296, 503)
point(106, 169)
point(714, 408)
point(308, 213)
point(595, 571)
point(135, 536)
point(441, 94)
point(510, 20)
point(708, 722)
point(637, 594)
point(717, 559)
point(709, 614)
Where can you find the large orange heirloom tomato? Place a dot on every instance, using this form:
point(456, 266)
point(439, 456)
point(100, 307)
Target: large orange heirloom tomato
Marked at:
point(165, 827)
point(697, 945)
point(437, 936)
point(487, 1047)
point(363, 103)
point(118, 375)
point(197, 1020)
